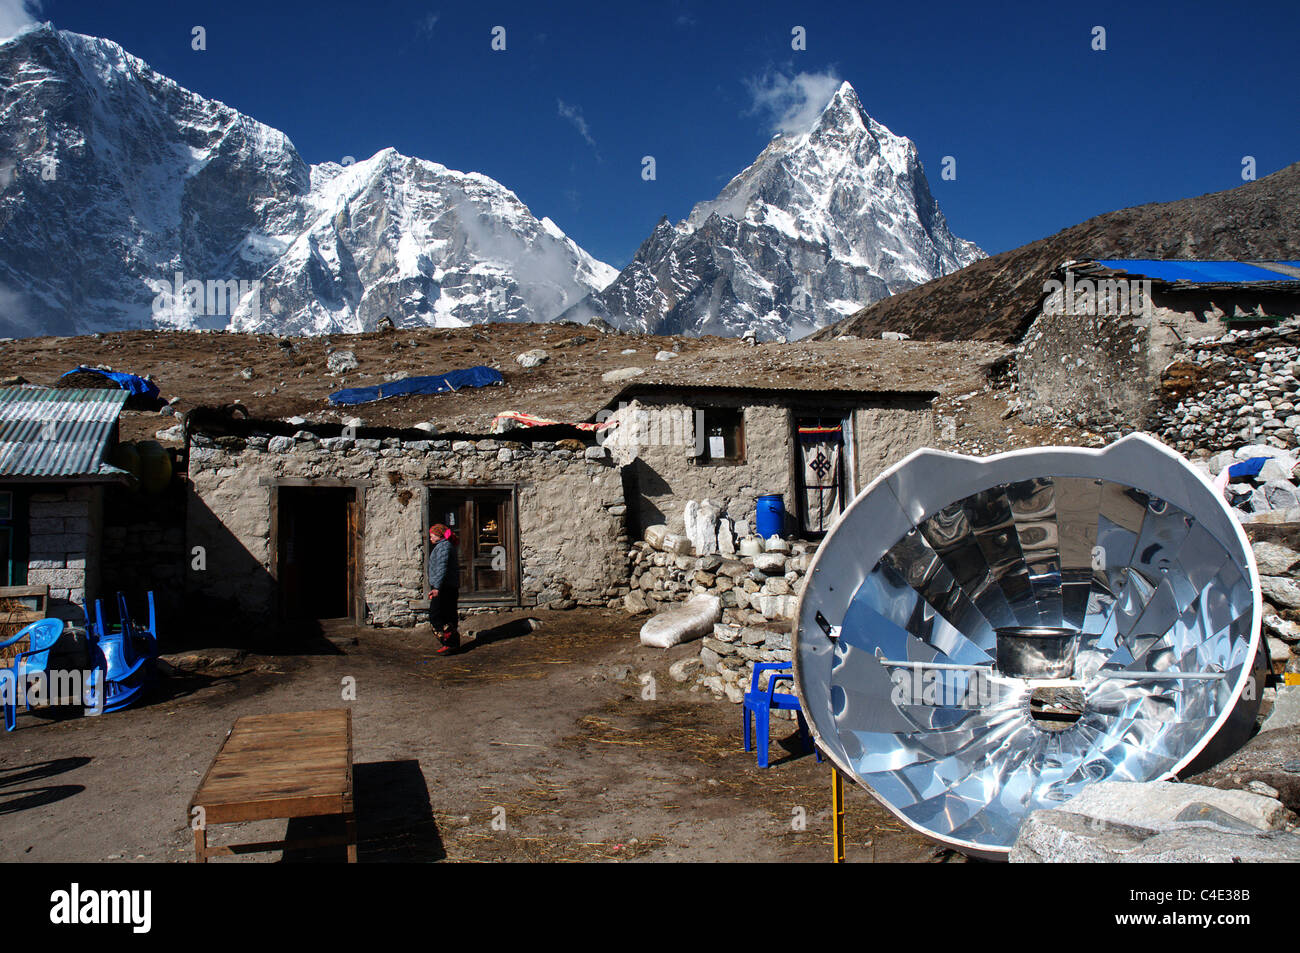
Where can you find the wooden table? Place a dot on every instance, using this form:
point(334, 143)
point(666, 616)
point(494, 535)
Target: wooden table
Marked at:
point(271, 766)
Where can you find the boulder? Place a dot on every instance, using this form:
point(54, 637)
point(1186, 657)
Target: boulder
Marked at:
point(726, 540)
point(701, 525)
point(1286, 709)
point(1061, 836)
point(1280, 590)
point(655, 535)
point(622, 374)
point(691, 619)
point(340, 362)
point(534, 358)
point(1262, 450)
point(1274, 559)
point(676, 545)
point(1281, 495)
point(685, 669)
point(1277, 470)
point(771, 564)
point(1158, 804)
point(1281, 628)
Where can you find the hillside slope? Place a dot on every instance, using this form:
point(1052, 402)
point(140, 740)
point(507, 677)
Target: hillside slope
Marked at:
point(992, 299)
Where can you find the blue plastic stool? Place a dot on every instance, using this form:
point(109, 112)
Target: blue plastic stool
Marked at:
point(759, 705)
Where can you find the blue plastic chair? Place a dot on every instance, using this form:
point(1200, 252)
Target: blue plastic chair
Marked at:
point(759, 705)
point(42, 637)
point(122, 658)
point(146, 636)
point(123, 675)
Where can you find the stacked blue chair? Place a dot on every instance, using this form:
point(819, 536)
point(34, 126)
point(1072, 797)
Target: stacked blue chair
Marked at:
point(122, 658)
point(759, 705)
point(42, 637)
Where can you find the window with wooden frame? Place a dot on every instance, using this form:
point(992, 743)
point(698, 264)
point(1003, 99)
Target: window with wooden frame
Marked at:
point(719, 437)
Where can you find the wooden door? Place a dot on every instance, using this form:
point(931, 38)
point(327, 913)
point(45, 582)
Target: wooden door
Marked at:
point(484, 523)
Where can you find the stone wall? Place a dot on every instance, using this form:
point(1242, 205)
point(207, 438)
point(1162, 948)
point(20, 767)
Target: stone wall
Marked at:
point(65, 526)
point(665, 474)
point(1090, 370)
point(885, 435)
point(572, 541)
point(1103, 371)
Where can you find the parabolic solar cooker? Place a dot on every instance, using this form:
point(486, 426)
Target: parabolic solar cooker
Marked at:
point(981, 637)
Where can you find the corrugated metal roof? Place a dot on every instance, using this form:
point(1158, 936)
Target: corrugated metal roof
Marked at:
point(1217, 272)
point(46, 432)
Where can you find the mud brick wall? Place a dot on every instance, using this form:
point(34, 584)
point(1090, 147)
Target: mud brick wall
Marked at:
point(572, 540)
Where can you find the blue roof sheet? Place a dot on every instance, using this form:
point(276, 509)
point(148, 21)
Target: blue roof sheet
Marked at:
point(1230, 272)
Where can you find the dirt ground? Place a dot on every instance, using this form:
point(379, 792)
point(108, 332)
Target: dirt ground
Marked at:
point(568, 742)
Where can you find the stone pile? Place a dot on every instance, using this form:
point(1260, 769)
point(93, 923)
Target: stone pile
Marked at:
point(1250, 393)
point(759, 595)
point(1270, 496)
point(754, 590)
point(727, 660)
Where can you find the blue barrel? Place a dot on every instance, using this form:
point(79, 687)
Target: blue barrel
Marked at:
point(771, 515)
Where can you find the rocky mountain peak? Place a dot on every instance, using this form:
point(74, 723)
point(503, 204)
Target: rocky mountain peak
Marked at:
point(821, 223)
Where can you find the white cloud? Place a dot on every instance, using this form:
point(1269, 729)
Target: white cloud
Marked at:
point(793, 103)
point(16, 16)
point(425, 26)
point(574, 115)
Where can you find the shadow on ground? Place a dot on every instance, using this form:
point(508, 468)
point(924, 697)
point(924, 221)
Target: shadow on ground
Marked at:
point(395, 822)
point(14, 799)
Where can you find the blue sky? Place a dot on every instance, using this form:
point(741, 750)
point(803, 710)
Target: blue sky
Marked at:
point(1046, 132)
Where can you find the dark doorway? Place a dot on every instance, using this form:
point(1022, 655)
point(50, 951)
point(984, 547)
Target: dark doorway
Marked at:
point(317, 551)
point(484, 522)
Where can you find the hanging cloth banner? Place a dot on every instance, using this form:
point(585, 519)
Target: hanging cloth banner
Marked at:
point(821, 451)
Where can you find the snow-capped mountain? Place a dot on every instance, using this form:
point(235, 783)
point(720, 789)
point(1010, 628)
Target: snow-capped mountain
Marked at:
point(127, 201)
point(820, 225)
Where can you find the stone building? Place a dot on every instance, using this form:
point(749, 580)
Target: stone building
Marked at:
point(54, 446)
point(1104, 331)
point(286, 523)
point(731, 444)
point(317, 520)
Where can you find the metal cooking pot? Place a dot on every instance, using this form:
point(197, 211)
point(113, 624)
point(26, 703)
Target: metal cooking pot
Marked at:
point(1036, 651)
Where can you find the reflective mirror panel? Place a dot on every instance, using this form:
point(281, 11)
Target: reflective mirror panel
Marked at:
point(1160, 598)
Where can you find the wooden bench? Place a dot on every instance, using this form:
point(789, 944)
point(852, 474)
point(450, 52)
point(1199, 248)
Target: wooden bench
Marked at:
point(279, 766)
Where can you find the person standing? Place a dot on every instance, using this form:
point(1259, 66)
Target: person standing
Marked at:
point(443, 574)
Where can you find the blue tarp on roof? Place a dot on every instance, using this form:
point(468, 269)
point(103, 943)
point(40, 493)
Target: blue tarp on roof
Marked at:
point(1232, 272)
point(480, 376)
point(130, 383)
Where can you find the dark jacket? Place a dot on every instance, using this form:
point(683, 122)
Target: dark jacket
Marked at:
point(443, 565)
